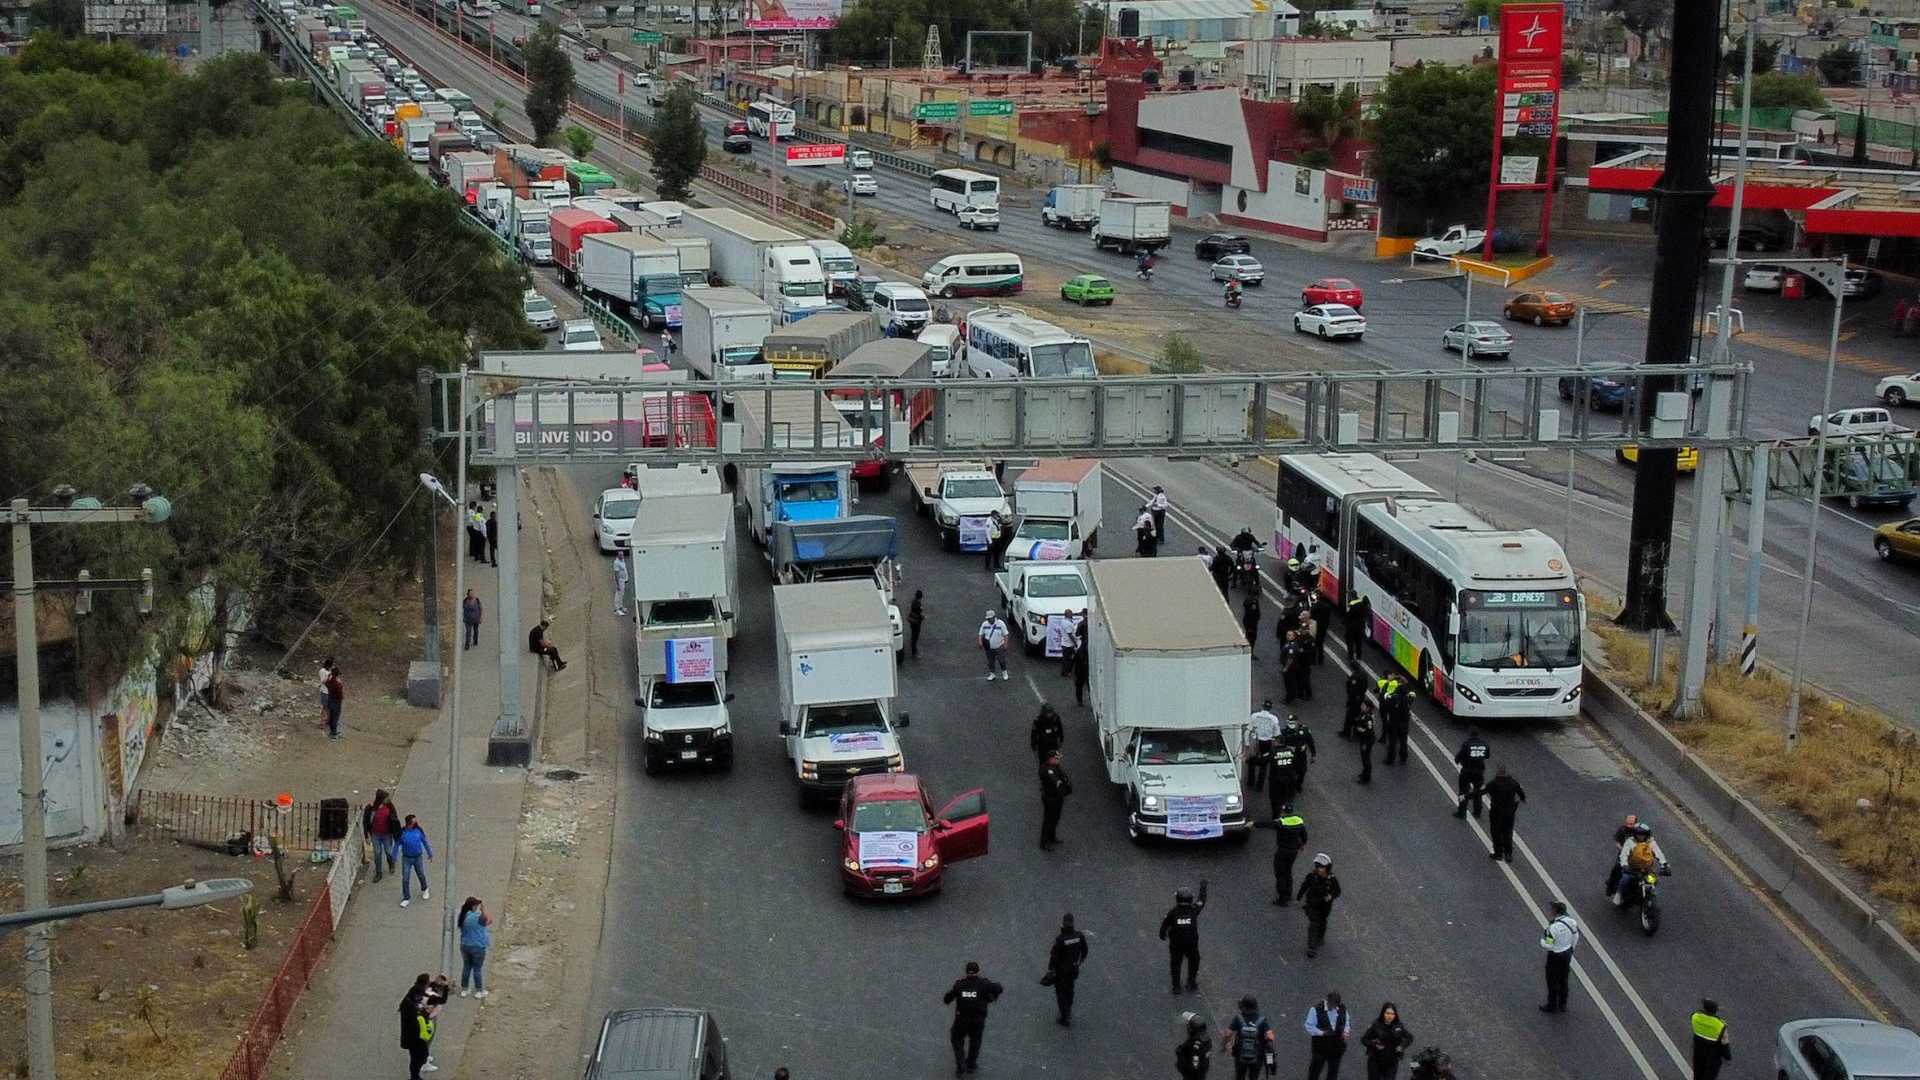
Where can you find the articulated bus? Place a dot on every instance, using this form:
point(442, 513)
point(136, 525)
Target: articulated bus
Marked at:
point(769, 119)
point(1488, 621)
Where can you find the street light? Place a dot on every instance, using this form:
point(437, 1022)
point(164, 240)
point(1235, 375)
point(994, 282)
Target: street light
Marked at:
point(172, 898)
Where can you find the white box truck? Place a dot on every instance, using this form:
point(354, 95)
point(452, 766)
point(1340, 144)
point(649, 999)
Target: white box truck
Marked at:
point(529, 225)
point(696, 254)
point(1056, 510)
point(766, 260)
point(637, 275)
point(863, 547)
point(723, 333)
point(1170, 684)
point(684, 574)
point(1129, 225)
point(837, 684)
point(1072, 206)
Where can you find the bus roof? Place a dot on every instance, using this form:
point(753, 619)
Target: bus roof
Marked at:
point(1018, 326)
point(965, 174)
point(1350, 474)
point(1471, 551)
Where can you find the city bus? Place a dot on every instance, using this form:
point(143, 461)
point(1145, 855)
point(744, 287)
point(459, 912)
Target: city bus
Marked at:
point(955, 188)
point(1009, 343)
point(768, 119)
point(1487, 621)
point(456, 98)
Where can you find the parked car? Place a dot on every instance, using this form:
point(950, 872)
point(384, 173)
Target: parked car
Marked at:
point(1478, 338)
point(1898, 540)
point(1688, 461)
point(1763, 277)
point(580, 335)
point(1330, 321)
point(1333, 290)
point(1752, 238)
point(979, 217)
point(1841, 1049)
point(613, 516)
point(1898, 390)
point(737, 144)
point(1844, 422)
point(863, 184)
point(1541, 308)
point(894, 844)
point(1214, 245)
point(1087, 289)
point(1604, 394)
point(1242, 268)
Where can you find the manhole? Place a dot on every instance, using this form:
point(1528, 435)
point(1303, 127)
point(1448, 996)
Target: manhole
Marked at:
point(564, 774)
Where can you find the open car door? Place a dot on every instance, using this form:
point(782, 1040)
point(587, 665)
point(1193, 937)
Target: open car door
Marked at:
point(961, 829)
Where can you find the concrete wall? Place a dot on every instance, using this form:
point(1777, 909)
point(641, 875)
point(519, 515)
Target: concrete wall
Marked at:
point(1295, 203)
point(1451, 49)
point(1147, 185)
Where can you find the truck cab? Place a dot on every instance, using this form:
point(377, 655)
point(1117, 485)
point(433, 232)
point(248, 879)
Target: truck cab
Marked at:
point(686, 723)
point(842, 270)
point(1032, 593)
point(959, 491)
point(795, 283)
point(529, 232)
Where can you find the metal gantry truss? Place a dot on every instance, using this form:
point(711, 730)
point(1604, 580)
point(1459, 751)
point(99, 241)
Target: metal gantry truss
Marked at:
point(1508, 409)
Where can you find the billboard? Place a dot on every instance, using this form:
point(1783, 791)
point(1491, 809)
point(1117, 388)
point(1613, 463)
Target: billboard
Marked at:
point(817, 154)
point(792, 14)
point(125, 18)
point(1527, 104)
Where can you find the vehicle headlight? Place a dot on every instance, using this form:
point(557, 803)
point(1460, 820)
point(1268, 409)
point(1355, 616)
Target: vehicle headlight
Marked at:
point(1467, 693)
point(852, 867)
point(948, 517)
point(1571, 694)
point(894, 764)
point(725, 728)
point(809, 771)
point(1233, 800)
point(1150, 802)
point(654, 736)
point(932, 863)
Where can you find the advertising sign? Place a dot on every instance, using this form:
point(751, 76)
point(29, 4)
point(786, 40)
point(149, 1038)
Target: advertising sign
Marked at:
point(792, 14)
point(975, 534)
point(1519, 170)
point(1529, 103)
point(690, 660)
point(816, 153)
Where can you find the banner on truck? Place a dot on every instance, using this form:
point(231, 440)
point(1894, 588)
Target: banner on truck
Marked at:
point(974, 533)
point(816, 153)
point(690, 660)
point(792, 14)
point(1194, 817)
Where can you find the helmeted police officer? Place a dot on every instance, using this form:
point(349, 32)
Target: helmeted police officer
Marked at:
point(1396, 716)
point(1180, 929)
point(1296, 735)
point(1194, 1056)
point(1472, 759)
point(1289, 835)
point(1364, 735)
point(1054, 789)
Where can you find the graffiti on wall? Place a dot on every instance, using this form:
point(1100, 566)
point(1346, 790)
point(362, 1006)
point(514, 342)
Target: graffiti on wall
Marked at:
point(1359, 224)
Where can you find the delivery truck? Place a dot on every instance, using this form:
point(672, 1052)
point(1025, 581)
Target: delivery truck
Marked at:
point(439, 145)
point(570, 229)
point(798, 489)
point(769, 261)
point(722, 332)
point(528, 225)
point(683, 556)
point(838, 264)
point(696, 254)
point(890, 417)
point(466, 172)
point(685, 592)
point(1072, 206)
point(1056, 510)
point(1169, 680)
point(864, 547)
point(518, 165)
point(1129, 225)
point(807, 349)
point(635, 275)
point(837, 684)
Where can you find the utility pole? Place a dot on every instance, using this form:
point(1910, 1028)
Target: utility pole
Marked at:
point(1682, 193)
point(430, 519)
point(33, 793)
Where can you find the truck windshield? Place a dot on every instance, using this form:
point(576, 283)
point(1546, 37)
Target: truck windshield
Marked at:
point(533, 226)
point(851, 719)
point(1068, 358)
point(1056, 585)
point(889, 815)
point(810, 491)
point(1507, 633)
point(686, 695)
point(983, 488)
point(742, 357)
point(837, 265)
point(680, 612)
point(803, 288)
point(662, 287)
point(1183, 748)
point(1043, 530)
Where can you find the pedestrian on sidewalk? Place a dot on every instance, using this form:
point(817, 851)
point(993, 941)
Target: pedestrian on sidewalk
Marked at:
point(416, 1028)
point(1329, 1027)
point(336, 696)
point(538, 644)
point(470, 618)
point(620, 578)
point(415, 853)
point(993, 641)
point(381, 824)
point(493, 537)
point(916, 615)
point(476, 936)
point(476, 533)
point(326, 669)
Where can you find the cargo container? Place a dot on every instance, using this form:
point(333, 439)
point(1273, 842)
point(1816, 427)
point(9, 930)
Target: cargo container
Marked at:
point(633, 274)
point(570, 228)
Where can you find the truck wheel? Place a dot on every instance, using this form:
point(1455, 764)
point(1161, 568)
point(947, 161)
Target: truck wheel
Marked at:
point(724, 762)
point(650, 763)
point(885, 483)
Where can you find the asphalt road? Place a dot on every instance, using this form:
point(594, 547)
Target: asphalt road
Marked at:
point(722, 894)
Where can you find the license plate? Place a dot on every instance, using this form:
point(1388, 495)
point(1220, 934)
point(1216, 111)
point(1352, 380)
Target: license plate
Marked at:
point(893, 887)
point(689, 755)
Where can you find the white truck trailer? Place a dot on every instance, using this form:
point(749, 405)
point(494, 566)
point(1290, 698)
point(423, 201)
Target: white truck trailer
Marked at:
point(1056, 510)
point(766, 260)
point(1129, 225)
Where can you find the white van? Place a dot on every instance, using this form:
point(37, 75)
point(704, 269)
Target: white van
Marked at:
point(903, 309)
point(997, 273)
point(943, 347)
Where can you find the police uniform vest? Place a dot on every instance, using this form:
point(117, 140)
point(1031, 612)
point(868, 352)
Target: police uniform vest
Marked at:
point(1283, 753)
point(1363, 725)
point(1476, 756)
point(1709, 1028)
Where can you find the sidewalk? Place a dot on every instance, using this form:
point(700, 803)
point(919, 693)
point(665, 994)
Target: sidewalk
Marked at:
point(347, 1025)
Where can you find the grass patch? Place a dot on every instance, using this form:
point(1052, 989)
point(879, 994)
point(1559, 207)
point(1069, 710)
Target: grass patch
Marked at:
point(1854, 774)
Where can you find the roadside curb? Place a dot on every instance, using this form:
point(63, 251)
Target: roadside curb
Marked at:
point(1833, 910)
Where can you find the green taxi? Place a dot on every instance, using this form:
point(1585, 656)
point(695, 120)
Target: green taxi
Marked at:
point(1087, 289)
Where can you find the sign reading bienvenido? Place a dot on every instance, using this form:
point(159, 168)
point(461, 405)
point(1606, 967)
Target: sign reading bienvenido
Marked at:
point(950, 110)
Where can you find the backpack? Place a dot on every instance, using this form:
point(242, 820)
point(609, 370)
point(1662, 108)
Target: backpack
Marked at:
point(1640, 858)
point(1246, 1038)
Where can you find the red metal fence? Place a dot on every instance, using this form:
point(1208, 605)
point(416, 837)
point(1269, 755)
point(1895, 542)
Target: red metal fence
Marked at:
point(249, 1061)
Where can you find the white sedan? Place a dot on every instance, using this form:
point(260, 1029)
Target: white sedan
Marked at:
point(863, 184)
point(1242, 268)
point(1478, 338)
point(1330, 321)
point(613, 515)
point(1898, 390)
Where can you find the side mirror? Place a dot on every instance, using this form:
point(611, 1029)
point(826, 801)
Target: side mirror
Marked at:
point(729, 696)
point(903, 721)
point(1453, 622)
point(642, 702)
point(786, 729)
point(840, 823)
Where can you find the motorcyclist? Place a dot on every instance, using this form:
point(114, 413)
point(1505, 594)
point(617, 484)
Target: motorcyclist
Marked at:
point(1233, 292)
point(1143, 264)
point(1640, 855)
point(1244, 540)
point(1246, 566)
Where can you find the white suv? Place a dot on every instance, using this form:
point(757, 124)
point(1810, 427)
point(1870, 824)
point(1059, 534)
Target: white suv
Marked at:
point(1844, 422)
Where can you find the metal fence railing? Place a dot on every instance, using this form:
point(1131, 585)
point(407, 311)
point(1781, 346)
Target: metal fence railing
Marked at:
point(269, 1022)
point(236, 824)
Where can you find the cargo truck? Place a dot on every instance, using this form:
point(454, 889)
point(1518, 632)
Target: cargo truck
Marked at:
point(865, 547)
point(964, 499)
point(696, 254)
point(837, 684)
point(585, 178)
point(1169, 676)
point(806, 350)
point(890, 418)
point(518, 165)
point(797, 489)
point(683, 553)
point(1072, 206)
point(466, 171)
point(685, 592)
point(1129, 225)
point(415, 134)
point(722, 332)
point(528, 225)
point(634, 274)
point(842, 270)
point(439, 145)
point(1056, 510)
point(570, 230)
point(769, 261)
point(348, 77)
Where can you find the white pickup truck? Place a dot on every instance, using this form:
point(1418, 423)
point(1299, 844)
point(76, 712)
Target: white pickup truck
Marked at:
point(1032, 591)
point(958, 490)
point(1457, 240)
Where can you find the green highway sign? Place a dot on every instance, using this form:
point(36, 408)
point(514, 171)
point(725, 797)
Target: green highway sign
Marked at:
point(937, 110)
point(647, 37)
point(998, 107)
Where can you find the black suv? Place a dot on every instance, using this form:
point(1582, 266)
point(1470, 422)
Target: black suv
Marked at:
point(1214, 245)
point(668, 1044)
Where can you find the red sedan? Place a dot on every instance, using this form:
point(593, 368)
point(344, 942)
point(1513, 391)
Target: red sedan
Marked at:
point(893, 843)
point(1333, 290)
point(737, 127)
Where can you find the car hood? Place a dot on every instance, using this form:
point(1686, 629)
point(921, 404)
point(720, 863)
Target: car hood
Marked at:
point(617, 526)
point(688, 718)
point(975, 507)
point(1056, 605)
point(857, 747)
point(1166, 780)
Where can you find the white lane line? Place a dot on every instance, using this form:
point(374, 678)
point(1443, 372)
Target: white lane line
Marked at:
point(1587, 932)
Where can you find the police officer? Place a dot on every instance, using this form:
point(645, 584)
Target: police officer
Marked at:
point(1290, 577)
point(1289, 836)
point(1363, 732)
point(1262, 729)
point(1317, 892)
point(1063, 965)
point(969, 997)
point(1194, 1056)
point(1356, 694)
point(1321, 609)
point(1296, 658)
point(1396, 715)
point(1291, 612)
point(1250, 621)
point(1180, 929)
point(1504, 796)
point(1054, 789)
point(1358, 614)
point(1710, 1046)
point(1472, 759)
point(1296, 735)
point(1048, 734)
point(1282, 781)
point(1221, 567)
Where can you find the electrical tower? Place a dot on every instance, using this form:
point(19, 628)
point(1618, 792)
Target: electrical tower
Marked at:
point(930, 62)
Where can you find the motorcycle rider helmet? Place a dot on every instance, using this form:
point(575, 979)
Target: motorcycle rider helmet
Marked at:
point(1642, 830)
point(1195, 1025)
point(1323, 859)
point(1293, 564)
point(1183, 895)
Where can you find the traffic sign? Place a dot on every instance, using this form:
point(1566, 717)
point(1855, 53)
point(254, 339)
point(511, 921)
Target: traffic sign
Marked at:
point(996, 107)
point(816, 154)
point(937, 110)
point(647, 37)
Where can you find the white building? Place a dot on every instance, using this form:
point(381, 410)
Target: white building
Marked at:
point(1182, 22)
point(1281, 70)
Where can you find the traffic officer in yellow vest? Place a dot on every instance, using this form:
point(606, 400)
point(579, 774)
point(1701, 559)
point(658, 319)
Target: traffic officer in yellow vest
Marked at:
point(1711, 1048)
point(1290, 835)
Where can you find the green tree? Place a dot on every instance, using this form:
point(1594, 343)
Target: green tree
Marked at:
point(1765, 53)
point(1776, 90)
point(1641, 16)
point(1489, 8)
point(549, 81)
point(1328, 117)
point(679, 144)
point(1179, 357)
point(579, 141)
point(867, 26)
point(1433, 134)
point(1839, 65)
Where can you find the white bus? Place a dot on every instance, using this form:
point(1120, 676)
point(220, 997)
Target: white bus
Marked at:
point(1009, 343)
point(460, 102)
point(768, 119)
point(997, 273)
point(1488, 621)
point(955, 188)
